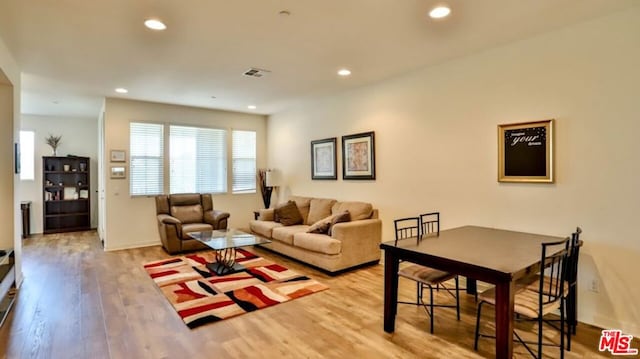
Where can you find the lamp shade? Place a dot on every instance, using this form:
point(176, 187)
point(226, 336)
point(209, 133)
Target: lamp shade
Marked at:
point(271, 179)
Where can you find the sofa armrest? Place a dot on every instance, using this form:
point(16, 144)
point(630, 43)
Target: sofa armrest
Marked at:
point(268, 214)
point(170, 229)
point(167, 219)
point(218, 219)
point(359, 238)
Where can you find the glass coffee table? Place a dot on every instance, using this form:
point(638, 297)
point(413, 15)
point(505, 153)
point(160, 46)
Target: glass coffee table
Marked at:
point(225, 242)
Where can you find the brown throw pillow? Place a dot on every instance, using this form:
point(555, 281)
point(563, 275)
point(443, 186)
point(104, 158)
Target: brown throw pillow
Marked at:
point(321, 226)
point(339, 218)
point(288, 214)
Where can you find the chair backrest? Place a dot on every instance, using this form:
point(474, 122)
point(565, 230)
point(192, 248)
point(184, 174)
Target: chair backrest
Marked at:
point(407, 228)
point(574, 255)
point(187, 207)
point(429, 224)
point(553, 262)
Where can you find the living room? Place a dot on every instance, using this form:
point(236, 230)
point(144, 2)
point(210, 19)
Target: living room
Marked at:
point(435, 147)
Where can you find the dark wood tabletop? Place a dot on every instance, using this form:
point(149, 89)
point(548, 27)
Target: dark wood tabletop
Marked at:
point(491, 255)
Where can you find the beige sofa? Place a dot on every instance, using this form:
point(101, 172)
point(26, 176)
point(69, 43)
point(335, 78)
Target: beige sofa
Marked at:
point(350, 244)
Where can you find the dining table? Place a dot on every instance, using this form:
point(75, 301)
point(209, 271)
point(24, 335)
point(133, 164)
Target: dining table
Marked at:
point(496, 256)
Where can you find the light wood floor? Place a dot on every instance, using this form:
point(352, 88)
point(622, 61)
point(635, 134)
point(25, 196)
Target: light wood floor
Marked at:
point(78, 301)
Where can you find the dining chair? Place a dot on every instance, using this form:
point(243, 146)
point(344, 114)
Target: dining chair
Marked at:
point(424, 276)
point(571, 279)
point(548, 297)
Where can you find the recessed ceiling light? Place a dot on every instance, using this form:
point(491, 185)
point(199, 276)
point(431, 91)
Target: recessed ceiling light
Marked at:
point(344, 72)
point(121, 90)
point(439, 12)
point(213, 97)
point(252, 107)
point(155, 24)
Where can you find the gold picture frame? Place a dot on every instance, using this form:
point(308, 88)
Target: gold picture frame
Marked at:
point(118, 156)
point(525, 152)
point(118, 172)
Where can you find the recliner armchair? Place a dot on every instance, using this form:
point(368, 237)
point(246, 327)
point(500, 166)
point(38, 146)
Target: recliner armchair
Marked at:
point(179, 214)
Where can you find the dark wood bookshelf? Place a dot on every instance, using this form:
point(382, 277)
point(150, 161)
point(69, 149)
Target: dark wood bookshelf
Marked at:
point(66, 191)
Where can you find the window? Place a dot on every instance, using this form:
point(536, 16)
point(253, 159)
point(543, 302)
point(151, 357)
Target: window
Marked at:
point(197, 160)
point(244, 161)
point(27, 156)
point(147, 167)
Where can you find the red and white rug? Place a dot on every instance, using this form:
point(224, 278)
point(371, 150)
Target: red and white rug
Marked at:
point(200, 296)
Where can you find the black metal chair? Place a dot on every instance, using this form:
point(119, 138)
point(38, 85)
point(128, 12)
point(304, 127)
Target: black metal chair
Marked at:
point(571, 295)
point(572, 280)
point(431, 278)
point(548, 297)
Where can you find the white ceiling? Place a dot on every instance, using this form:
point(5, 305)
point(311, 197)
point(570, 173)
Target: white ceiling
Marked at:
point(73, 53)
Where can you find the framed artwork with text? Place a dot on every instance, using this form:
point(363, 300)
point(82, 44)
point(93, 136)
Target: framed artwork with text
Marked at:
point(525, 152)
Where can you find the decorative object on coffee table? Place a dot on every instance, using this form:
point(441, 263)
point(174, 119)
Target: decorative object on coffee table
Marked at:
point(200, 296)
point(359, 157)
point(54, 142)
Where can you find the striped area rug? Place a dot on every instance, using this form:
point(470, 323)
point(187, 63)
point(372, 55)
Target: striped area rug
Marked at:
point(201, 296)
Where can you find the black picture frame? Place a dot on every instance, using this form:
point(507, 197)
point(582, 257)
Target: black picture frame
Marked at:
point(324, 159)
point(16, 157)
point(359, 156)
point(525, 152)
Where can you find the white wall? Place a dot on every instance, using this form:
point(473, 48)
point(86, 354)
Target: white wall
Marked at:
point(79, 137)
point(131, 221)
point(436, 148)
point(9, 183)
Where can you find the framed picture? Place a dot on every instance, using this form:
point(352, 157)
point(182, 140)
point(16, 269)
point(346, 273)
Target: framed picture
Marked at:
point(358, 156)
point(118, 156)
point(16, 157)
point(323, 159)
point(525, 152)
point(118, 172)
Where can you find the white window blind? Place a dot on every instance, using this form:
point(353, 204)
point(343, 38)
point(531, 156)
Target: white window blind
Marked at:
point(27, 156)
point(147, 158)
point(244, 161)
point(197, 160)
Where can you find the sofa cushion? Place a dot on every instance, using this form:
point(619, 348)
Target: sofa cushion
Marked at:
point(320, 243)
point(339, 218)
point(188, 214)
point(319, 208)
point(288, 214)
point(194, 227)
point(303, 206)
point(285, 234)
point(357, 210)
point(263, 228)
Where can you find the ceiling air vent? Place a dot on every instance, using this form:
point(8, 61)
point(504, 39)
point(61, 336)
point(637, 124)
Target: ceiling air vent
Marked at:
point(254, 72)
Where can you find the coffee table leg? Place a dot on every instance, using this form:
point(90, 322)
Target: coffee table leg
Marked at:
point(225, 262)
